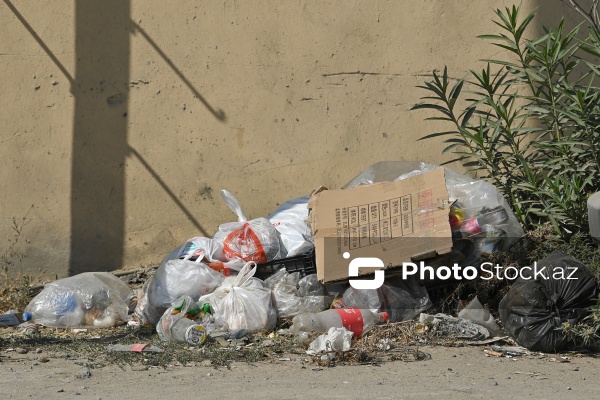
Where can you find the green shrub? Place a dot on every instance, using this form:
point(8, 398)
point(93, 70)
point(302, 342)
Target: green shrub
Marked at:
point(529, 124)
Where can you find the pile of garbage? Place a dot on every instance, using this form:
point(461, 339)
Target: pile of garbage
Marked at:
point(209, 286)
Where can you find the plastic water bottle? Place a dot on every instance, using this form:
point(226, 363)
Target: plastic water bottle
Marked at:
point(354, 319)
point(14, 318)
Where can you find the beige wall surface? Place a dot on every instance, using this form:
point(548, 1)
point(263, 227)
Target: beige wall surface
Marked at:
point(122, 120)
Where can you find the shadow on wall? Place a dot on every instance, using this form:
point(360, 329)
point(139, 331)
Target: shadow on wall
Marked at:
point(102, 48)
point(100, 86)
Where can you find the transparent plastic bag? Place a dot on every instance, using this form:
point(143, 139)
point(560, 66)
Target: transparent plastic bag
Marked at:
point(290, 221)
point(173, 314)
point(310, 286)
point(472, 195)
point(244, 302)
point(401, 299)
point(87, 300)
point(173, 279)
point(255, 240)
point(293, 295)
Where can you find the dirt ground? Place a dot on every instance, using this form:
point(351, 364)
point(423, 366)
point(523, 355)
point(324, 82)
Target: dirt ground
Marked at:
point(449, 373)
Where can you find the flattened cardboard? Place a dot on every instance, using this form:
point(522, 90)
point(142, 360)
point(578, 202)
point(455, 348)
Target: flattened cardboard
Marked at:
point(394, 221)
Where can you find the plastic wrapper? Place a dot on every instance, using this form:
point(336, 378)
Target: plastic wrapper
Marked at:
point(255, 240)
point(477, 313)
point(293, 295)
point(172, 280)
point(336, 339)
point(473, 198)
point(401, 299)
point(87, 300)
point(535, 308)
point(446, 326)
point(244, 302)
point(290, 221)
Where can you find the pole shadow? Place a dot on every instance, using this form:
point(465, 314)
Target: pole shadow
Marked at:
point(102, 49)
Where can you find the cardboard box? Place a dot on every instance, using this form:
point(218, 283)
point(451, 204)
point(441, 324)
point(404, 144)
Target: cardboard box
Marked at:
point(394, 221)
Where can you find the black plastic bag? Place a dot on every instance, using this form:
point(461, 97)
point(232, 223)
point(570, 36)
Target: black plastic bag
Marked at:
point(534, 310)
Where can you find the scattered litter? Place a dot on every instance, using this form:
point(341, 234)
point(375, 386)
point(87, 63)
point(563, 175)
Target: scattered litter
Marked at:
point(237, 334)
point(487, 341)
point(476, 313)
point(336, 339)
point(493, 353)
point(446, 325)
point(511, 350)
point(14, 318)
point(560, 360)
point(135, 348)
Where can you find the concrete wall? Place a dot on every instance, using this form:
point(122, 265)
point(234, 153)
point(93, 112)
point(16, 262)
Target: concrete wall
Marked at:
point(122, 120)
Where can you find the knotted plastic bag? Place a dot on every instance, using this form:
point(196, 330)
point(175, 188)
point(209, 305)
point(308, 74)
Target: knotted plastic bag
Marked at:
point(244, 302)
point(87, 300)
point(255, 240)
point(536, 307)
point(173, 279)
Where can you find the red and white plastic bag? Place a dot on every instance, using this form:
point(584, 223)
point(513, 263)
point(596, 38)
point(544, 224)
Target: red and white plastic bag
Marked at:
point(255, 240)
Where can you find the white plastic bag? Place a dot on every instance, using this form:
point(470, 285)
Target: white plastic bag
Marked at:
point(209, 252)
point(290, 220)
point(255, 240)
point(201, 249)
point(244, 302)
point(90, 300)
point(336, 339)
point(173, 279)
